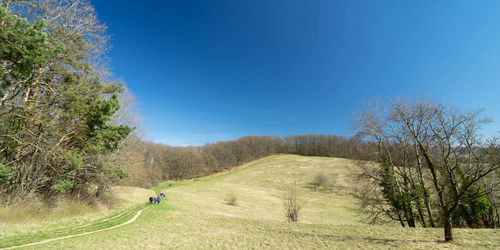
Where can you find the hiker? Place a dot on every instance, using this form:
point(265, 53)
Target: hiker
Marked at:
point(163, 194)
point(156, 199)
point(150, 200)
point(159, 199)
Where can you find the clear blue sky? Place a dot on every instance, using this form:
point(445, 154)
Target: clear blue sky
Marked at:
point(206, 71)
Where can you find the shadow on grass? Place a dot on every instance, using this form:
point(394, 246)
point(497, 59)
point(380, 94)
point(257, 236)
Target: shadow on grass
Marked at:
point(346, 238)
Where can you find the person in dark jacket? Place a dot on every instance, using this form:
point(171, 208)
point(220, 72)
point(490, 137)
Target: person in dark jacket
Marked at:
point(150, 200)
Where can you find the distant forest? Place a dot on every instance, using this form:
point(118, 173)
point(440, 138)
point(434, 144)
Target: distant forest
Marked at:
point(151, 163)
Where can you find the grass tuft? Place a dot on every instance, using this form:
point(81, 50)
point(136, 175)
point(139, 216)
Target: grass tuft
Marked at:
point(231, 199)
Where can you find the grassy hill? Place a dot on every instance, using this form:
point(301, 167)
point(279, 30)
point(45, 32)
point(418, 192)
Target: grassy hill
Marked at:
point(195, 215)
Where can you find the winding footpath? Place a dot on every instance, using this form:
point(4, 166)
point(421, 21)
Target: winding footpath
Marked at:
point(80, 234)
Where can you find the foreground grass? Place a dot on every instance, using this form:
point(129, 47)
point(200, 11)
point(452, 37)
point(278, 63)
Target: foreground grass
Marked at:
point(49, 233)
point(195, 215)
point(20, 226)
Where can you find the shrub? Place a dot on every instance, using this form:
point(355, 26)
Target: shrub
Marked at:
point(329, 185)
point(5, 174)
point(320, 180)
point(62, 185)
point(231, 199)
point(292, 203)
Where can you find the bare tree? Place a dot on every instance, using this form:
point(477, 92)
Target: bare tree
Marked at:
point(292, 202)
point(128, 113)
point(77, 18)
point(429, 153)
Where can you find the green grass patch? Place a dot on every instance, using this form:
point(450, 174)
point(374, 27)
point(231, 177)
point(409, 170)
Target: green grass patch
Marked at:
point(116, 218)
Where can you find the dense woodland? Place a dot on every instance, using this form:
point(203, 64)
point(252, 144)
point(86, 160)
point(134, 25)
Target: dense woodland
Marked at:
point(157, 162)
point(68, 129)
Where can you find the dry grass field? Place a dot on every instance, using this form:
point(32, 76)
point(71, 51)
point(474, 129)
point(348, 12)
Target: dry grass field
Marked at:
point(195, 215)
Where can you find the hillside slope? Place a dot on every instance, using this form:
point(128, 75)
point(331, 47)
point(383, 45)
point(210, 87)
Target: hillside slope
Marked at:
point(195, 215)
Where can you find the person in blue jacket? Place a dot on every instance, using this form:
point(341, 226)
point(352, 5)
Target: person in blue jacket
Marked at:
point(159, 199)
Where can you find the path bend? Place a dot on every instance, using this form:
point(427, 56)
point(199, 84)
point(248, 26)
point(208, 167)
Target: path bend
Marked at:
point(80, 234)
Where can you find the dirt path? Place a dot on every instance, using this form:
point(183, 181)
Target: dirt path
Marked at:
point(80, 234)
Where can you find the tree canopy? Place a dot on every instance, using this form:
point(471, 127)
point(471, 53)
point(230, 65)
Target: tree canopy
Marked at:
point(56, 107)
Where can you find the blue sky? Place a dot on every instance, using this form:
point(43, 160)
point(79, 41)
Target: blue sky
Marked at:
point(207, 71)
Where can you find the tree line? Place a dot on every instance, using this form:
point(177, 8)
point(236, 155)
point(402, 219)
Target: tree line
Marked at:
point(152, 163)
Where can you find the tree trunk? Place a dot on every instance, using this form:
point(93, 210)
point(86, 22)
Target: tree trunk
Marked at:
point(426, 194)
point(429, 212)
point(497, 221)
point(448, 233)
point(410, 219)
point(421, 214)
point(401, 220)
point(435, 181)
